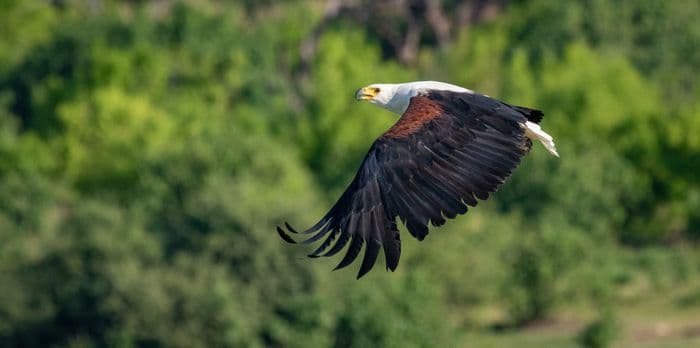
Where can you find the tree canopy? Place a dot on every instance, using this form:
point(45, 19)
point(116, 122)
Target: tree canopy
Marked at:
point(148, 149)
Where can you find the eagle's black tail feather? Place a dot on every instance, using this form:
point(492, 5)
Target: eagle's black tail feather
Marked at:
point(532, 115)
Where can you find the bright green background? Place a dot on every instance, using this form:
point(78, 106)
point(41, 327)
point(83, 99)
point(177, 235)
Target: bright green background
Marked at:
point(148, 149)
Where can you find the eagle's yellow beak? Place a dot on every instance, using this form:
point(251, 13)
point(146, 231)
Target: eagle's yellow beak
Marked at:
point(366, 93)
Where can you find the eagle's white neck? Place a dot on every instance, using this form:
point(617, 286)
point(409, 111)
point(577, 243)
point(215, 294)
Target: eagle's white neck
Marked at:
point(396, 96)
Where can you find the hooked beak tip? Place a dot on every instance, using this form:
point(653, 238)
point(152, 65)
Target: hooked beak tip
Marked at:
point(364, 93)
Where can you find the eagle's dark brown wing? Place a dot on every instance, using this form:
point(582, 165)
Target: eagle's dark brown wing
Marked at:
point(446, 151)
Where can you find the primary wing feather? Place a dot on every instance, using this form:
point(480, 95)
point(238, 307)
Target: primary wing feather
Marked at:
point(445, 151)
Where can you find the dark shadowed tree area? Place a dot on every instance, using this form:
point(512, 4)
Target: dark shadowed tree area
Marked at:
point(149, 148)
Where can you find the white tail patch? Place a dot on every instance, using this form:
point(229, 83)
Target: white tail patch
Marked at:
point(535, 132)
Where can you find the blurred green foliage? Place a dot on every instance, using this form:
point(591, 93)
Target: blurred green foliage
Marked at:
point(600, 333)
point(148, 149)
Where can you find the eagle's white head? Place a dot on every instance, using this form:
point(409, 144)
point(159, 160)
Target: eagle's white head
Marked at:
point(396, 96)
point(385, 95)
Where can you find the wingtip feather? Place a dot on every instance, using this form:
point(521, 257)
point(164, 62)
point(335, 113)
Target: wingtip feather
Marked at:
point(285, 236)
point(290, 228)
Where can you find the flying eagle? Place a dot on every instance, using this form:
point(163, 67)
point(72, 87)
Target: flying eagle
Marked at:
point(450, 147)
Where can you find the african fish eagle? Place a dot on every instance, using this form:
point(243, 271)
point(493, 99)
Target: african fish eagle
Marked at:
point(450, 147)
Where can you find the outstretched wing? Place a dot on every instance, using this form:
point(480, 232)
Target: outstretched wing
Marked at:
point(446, 151)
